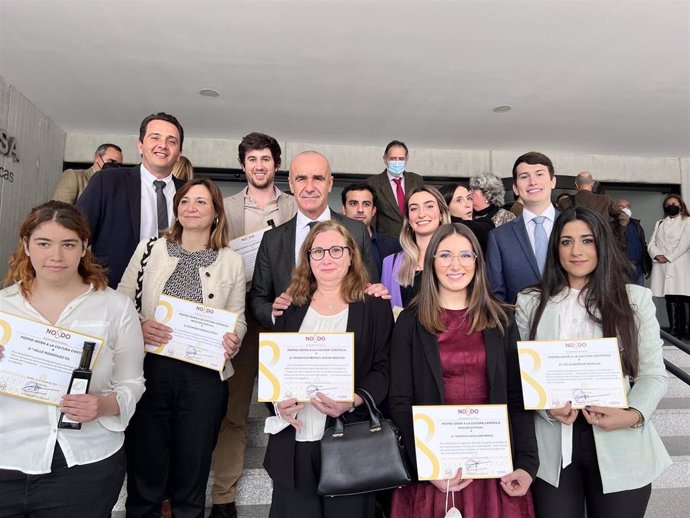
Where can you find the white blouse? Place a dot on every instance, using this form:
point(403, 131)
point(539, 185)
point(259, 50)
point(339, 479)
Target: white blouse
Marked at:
point(28, 429)
point(313, 421)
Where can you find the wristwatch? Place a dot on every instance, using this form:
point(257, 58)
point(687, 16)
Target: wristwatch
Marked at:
point(640, 418)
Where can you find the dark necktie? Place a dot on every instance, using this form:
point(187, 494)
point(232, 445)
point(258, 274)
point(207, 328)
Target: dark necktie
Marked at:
point(400, 195)
point(161, 206)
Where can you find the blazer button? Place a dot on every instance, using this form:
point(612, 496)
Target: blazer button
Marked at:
point(210, 295)
point(208, 274)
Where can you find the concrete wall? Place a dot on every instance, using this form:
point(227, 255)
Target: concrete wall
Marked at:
point(41, 148)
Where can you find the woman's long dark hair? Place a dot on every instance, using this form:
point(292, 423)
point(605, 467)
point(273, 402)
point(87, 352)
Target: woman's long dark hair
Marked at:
point(604, 294)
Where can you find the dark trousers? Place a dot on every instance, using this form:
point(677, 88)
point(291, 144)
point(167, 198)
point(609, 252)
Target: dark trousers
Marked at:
point(170, 439)
point(303, 500)
point(580, 482)
point(88, 490)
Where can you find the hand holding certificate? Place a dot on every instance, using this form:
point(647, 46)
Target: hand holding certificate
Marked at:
point(38, 358)
point(301, 364)
point(197, 332)
point(583, 372)
point(473, 438)
point(248, 247)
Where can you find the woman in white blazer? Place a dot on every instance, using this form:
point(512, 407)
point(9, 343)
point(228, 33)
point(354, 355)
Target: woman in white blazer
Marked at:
point(171, 439)
point(606, 457)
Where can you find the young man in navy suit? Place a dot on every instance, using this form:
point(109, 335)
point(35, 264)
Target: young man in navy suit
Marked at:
point(516, 251)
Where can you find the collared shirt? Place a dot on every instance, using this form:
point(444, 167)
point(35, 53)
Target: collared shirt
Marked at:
point(148, 226)
point(255, 218)
point(528, 216)
point(28, 429)
point(303, 229)
point(394, 185)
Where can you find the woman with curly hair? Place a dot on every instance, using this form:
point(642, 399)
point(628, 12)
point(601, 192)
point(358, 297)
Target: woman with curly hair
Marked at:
point(488, 194)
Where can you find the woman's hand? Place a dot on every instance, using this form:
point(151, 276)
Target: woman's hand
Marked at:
point(516, 483)
point(378, 290)
point(231, 344)
point(565, 415)
point(609, 418)
point(661, 259)
point(456, 483)
point(332, 408)
point(281, 303)
point(87, 407)
point(155, 332)
point(287, 410)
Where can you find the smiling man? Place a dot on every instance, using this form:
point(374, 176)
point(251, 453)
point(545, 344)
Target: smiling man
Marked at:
point(130, 204)
point(310, 182)
point(516, 251)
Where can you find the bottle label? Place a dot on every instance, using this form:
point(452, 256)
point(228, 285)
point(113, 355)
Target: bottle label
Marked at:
point(78, 386)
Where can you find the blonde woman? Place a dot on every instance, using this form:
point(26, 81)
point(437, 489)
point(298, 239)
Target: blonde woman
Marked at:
point(183, 169)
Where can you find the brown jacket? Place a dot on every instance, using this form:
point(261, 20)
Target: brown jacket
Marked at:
point(72, 183)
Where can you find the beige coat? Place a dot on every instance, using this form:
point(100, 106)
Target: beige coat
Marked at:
point(234, 212)
point(72, 183)
point(222, 283)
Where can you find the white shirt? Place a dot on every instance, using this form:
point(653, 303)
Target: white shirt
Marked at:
point(528, 217)
point(303, 229)
point(28, 429)
point(313, 421)
point(148, 226)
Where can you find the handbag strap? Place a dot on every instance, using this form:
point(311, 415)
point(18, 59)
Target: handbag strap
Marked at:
point(374, 415)
point(140, 274)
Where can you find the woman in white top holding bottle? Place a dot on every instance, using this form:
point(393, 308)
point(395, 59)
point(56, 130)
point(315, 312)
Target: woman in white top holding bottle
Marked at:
point(46, 470)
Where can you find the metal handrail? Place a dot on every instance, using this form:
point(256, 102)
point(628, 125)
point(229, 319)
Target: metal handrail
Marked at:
point(674, 369)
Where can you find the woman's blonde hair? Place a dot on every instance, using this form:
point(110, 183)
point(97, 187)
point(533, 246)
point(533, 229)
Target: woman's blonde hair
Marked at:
point(68, 216)
point(483, 310)
point(408, 241)
point(303, 283)
point(183, 169)
point(219, 228)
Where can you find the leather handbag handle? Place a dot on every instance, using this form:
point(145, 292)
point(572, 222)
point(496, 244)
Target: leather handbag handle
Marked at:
point(374, 415)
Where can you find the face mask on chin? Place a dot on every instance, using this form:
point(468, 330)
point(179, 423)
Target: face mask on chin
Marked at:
point(627, 211)
point(396, 167)
point(672, 210)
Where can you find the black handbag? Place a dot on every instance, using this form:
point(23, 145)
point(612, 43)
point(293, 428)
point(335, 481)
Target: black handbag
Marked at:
point(362, 457)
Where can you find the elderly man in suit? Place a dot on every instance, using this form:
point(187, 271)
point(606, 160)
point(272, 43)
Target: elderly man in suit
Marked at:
point(516, 251)
point(602, 204)
point(636, 245)
point(258, 206)
point(128, 205)
point(360, 202)
point(310, 181)
point(73, 181)
point(391, 187)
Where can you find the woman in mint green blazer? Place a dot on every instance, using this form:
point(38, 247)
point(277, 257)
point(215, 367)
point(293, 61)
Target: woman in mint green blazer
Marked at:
point(606, 457)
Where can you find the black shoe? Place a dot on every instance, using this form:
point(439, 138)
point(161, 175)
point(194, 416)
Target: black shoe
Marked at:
point(223, 511)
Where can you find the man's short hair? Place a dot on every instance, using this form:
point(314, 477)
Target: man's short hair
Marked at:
point(256, 141)
point(161, 116)
point(358, 186)
point(394, 143)
point(103, 148)
point(533, 158)
point(584, 178)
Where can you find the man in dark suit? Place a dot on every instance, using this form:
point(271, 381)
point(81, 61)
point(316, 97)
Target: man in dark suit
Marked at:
point(360, 202)
point(602, 204)
point(636, 245)
point(391, 187)
point(516, 252)
point(125, 206)
point(310, 182)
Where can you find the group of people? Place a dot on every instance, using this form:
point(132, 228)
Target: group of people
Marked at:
point(465, 278)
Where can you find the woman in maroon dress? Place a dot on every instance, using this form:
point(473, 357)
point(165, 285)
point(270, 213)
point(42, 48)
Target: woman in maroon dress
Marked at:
point(456, 345)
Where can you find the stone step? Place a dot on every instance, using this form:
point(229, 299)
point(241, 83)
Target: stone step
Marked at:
point(677, 388)
point(672, 422)
point(676, 476)
point(668, 503)
point(677, 357)
point(674, 402)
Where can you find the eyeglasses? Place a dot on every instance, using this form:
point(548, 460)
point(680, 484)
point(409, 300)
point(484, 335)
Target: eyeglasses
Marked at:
point(336, 252)
point(465, 258)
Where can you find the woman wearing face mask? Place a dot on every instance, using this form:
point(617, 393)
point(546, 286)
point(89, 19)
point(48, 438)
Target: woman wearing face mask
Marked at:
point(606, 457)
point(402, 272)
point(459, 200)
point(670, 250)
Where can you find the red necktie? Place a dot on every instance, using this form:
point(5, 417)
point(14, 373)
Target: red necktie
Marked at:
point(400, 195)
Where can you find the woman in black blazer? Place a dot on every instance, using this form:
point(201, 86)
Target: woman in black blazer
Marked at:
point(456, 344)
point(327, 292)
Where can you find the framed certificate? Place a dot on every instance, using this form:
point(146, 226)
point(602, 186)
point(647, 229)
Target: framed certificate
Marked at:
point(301, 364)
point(39, 358)
point(197, 332)
point(583, 371)
point(475, 438)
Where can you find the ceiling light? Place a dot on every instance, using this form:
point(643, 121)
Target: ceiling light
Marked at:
point(209, 92)
point(503, 108)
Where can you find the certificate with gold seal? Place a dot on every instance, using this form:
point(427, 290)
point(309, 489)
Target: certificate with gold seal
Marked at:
point(583, 371)
point(475, 438)
point(197, 332)
point(39, 358)
point(301, 364)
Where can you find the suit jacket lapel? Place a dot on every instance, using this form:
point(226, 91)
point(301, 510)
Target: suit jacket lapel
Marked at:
point(288, 246)
point(492, 343)
point(386, 191)
point(521, 236)
point(433, 356)
point(134, 199)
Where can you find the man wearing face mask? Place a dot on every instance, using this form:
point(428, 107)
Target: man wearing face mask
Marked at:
point(391, 187)
point(636, 245)
point(73, 181)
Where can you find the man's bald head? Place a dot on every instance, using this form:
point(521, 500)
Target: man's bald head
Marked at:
point(310, 182)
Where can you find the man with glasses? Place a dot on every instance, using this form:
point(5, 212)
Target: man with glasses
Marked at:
point(73, 181)
point(310, 181)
